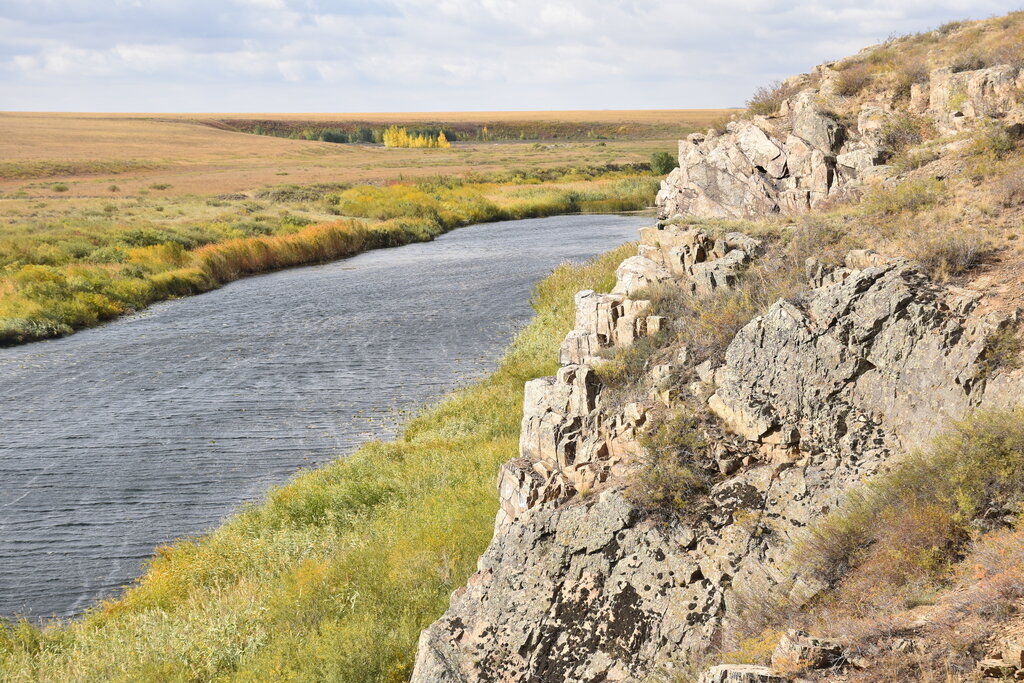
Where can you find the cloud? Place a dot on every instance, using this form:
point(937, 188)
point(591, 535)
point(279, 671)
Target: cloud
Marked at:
point(333, 55)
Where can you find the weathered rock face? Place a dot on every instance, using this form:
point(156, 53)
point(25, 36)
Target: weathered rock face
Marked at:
point(874, 362)
point(569, 443)
point(581, 592)
point(824, 391)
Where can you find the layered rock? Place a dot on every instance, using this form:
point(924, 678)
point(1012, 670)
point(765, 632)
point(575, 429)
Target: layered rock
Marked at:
point(958, 100)
point(580, 584)
point(803, 157)
point(679, 255)
point(568, 442)
point(759, 166)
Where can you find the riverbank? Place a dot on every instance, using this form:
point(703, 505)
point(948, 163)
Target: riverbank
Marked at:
point(333, 577)
point(83, 270)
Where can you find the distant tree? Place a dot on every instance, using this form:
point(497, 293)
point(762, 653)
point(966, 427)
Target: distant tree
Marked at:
point(442, 140)
point(662, 163)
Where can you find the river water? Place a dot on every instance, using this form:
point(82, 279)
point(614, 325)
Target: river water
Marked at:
point(158, 425)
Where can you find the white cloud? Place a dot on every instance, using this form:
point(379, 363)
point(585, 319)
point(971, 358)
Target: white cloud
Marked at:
point(431, 54)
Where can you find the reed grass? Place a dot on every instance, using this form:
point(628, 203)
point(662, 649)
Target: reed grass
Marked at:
point(57, 278)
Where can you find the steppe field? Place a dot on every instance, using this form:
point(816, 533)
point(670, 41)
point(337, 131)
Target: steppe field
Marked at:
point(103, 214)
point(206, 154)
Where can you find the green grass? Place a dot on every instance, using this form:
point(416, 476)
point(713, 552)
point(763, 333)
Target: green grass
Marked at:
point(336, 573)
point(57, 276)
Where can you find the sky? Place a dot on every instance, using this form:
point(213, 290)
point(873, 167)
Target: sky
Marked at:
point(431, 55)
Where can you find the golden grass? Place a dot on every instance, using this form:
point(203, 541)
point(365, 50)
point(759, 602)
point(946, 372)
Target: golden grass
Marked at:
point(74, 270)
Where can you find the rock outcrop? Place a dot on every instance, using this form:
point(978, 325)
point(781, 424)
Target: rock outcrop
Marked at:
point(761, 166)
point(957, 101)
point(569, 442)
point(804, 155)
point(579, 583)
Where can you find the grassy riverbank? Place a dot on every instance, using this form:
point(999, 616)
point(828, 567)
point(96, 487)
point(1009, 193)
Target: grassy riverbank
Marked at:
point(336, 573)
point(60, 274)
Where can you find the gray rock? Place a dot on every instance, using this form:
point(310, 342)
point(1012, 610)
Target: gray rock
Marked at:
point(798, 650)
point(741, 673)
point(875, 364)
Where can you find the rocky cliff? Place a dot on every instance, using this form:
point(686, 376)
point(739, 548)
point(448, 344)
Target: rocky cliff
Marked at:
point(581, 584)
point(866, 358)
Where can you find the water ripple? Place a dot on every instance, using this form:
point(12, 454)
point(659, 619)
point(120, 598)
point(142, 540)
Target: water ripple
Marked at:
point(159, 425)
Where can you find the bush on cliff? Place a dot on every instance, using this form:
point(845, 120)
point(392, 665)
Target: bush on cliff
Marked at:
point(910, 525)
point(662, 163)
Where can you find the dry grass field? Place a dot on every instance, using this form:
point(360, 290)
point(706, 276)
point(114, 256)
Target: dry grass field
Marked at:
point(194, 154)
point(102, 214)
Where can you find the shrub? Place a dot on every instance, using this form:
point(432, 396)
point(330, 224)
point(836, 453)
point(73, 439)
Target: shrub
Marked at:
point(673, 473)
point(968, 61)
point(853, 78)
point(910, 524)
point(913, 159)
point(1003, 350)
point(901, 131)
point(950, 27)
point(766, 100)
point(908, 74)
point(160, 186)
point(993, 141)
point(949, 253)
point(1010, 190)
point(907, 196)
point(59, 187)
point(624, 367)
point(662, 163)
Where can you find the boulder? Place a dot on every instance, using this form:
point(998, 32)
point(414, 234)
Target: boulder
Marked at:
point(637, 274)
point(741, 673)
point(798, 650)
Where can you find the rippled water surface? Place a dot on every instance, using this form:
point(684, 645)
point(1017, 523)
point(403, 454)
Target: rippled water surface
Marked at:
point(158, 425)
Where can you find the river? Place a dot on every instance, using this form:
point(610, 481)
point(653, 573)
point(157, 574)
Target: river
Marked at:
point(160, 424)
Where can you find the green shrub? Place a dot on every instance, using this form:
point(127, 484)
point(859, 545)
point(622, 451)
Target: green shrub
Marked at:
point(673, 473)
point(993, 141)
point(662, 163)
point(59, 187)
